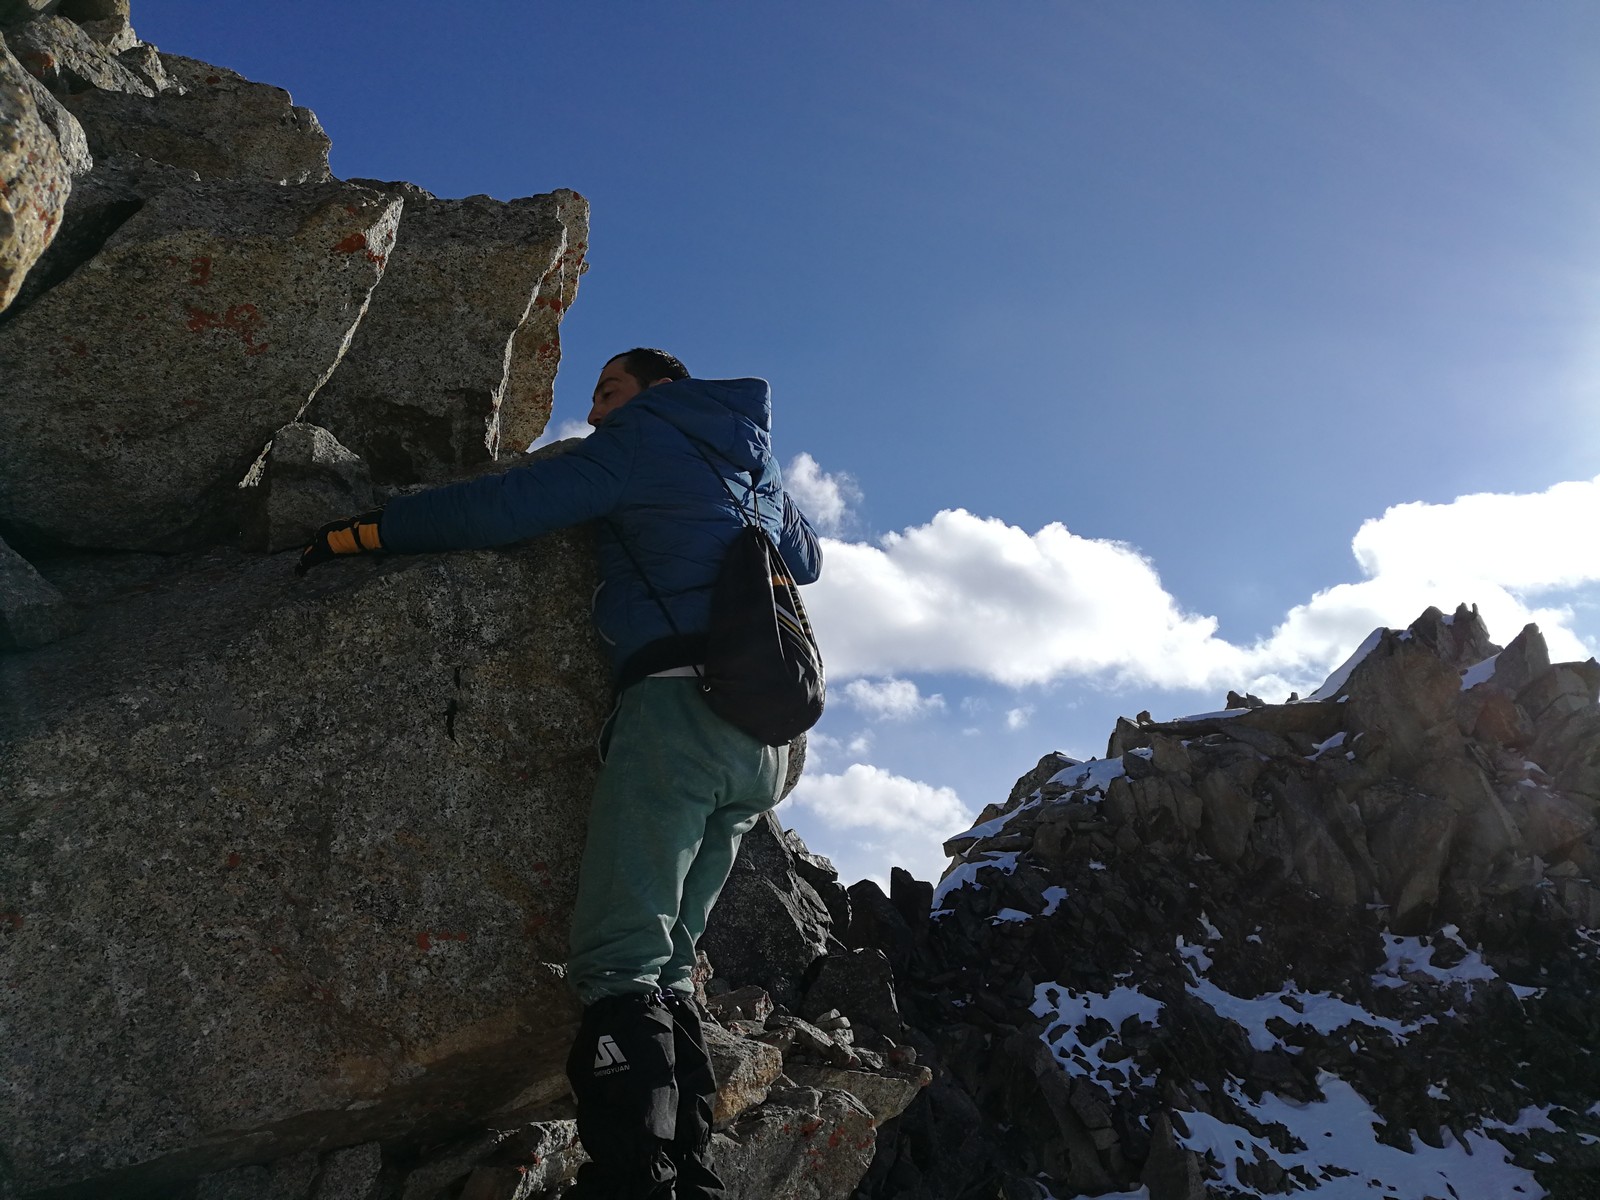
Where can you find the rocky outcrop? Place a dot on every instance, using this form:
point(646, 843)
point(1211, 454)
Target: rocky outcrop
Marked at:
point(69, 61)
point(69, 137)
point(286, 868)
point(536, 348)
point(209, 120)
point(746, 1069)
point(209, 277)
point(35, 176)
point(789, 1126)
point(813, 1133)
point(304, 480)
point(769, 925)
point(1279, 946)
point(144, 384)
point(803, 1144)
point(425, 388)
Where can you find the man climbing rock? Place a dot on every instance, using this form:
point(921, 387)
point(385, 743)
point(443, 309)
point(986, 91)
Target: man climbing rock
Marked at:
point(669, 461)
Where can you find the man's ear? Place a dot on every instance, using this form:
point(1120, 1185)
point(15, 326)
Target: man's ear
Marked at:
point(655, 382)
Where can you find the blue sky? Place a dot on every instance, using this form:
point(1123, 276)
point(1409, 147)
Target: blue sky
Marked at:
point(1110, 318)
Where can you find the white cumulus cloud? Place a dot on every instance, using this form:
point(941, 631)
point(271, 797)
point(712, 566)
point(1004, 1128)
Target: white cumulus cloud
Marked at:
point(883, 819)
point(1529, 543)
point(1018, 718)
point(976, 596)
point(1499, 551)
point(891, 699)
point(560, 432)
point(825, 498)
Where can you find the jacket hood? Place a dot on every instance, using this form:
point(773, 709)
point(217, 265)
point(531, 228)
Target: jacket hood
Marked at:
point(733, 417)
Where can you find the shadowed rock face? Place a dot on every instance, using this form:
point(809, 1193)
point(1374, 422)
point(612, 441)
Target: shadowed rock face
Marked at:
point(288, 864)
point(32, 613)
point(305, 480)
point(95, 10)
point(19, 12)
point(769, 926)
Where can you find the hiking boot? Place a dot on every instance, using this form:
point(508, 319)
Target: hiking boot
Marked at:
point(621, 1069)
point(697, 1097)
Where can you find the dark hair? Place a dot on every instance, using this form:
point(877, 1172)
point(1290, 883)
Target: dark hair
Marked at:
point(648, 365)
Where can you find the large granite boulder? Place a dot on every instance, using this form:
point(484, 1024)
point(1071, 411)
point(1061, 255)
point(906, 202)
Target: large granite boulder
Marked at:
point(288, 865)
point(424, 390)
point(69, 135)
point(95, 10)
point(35, 177)
point(209, 120)
point(143, 384)
point(69, 61)
point(745, 1070)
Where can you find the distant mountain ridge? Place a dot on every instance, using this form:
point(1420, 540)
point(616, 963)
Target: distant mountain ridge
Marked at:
point(1344, 946)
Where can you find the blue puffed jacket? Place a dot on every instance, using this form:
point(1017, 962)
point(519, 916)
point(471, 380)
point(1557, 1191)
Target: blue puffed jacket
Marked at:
point(642, 471)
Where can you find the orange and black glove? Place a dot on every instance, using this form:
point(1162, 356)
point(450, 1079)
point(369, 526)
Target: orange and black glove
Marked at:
point(353, 535)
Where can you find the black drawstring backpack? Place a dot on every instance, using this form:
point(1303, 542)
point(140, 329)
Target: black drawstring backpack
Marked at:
point(763, 672)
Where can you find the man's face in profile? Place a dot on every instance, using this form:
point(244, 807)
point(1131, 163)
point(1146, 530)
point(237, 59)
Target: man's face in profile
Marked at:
point(614, 388)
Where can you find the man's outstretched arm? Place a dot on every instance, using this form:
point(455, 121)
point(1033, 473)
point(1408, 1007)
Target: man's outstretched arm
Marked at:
point(493, 510)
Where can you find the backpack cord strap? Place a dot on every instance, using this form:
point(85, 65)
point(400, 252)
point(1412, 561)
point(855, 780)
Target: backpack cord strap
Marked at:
point(649, 587)
point(752, 519)
point(755, 481)
point(737, 503)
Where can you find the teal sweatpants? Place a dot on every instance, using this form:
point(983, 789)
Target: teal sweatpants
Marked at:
point(678, 789)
